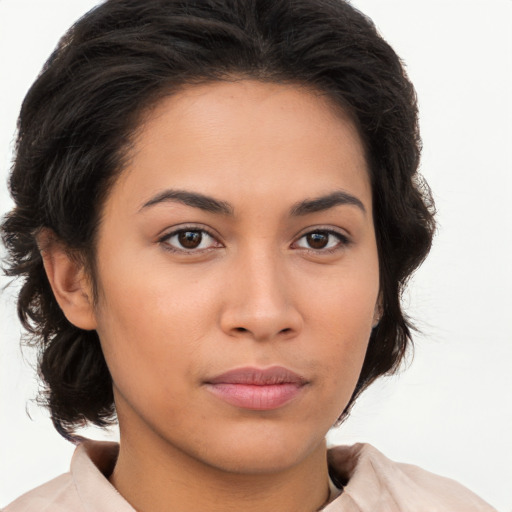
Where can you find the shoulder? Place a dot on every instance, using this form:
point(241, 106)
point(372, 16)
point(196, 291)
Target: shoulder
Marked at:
point(57, 495)
point(374, 482)
point(84, 488)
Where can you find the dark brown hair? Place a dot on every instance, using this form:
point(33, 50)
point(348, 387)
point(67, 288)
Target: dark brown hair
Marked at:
point(119, 60)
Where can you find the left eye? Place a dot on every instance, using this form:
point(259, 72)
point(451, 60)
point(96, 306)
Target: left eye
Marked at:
point(321, 240)
point(189, 240)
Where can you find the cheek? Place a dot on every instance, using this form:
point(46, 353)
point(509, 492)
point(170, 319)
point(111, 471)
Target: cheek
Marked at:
point(155, 323)
point(149, 331)
point(340, 319)
point(343, 303)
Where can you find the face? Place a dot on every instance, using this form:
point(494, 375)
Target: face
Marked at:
point(238, 275)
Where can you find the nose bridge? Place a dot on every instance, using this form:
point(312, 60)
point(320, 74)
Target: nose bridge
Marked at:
point(259, 301)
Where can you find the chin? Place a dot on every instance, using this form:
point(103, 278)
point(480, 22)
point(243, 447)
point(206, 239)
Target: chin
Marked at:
point(253, 461)
point(261, 451)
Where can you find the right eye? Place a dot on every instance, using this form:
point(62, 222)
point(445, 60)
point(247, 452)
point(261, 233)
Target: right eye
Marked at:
point(189, 240)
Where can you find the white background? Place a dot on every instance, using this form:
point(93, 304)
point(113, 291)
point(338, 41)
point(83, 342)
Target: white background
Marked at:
point(451, 410)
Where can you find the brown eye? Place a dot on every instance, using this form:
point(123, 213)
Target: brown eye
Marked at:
point(190, 239)
point(322, 241)
point(317, 240)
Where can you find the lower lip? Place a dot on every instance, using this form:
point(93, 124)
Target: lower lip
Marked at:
point(256, 397)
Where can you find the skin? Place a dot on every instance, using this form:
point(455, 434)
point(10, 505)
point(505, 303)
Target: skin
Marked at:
point(253, 293)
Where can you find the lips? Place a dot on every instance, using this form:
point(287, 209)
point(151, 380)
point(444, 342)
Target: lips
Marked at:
point(257, 389)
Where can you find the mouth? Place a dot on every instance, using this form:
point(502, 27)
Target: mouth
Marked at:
point(257, 389)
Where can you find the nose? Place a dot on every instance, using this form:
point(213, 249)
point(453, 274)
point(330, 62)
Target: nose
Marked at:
point(259, 301)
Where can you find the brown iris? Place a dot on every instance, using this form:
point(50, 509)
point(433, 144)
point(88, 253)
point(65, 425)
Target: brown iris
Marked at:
point(190, 239)
point(318, 240)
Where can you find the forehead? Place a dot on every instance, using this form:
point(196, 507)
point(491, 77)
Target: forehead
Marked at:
point(221, 136)
point(250, 103)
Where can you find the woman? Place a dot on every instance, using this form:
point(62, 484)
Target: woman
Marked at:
point(217, 208)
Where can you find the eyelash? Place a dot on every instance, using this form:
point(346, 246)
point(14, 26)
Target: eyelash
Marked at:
point(343, 241)
point(164, 240)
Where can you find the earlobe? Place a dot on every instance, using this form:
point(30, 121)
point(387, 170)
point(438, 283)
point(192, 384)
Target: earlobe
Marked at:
point(68, 280)
point(378, 312)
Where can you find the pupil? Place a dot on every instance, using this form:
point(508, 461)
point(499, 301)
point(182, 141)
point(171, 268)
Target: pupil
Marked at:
point(190, 239)
point(318, 240)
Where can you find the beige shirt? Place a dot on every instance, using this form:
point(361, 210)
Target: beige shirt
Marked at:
point(374, 484)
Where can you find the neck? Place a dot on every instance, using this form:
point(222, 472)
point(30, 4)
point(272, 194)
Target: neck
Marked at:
point(157, 477)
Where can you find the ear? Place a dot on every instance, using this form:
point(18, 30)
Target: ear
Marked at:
point(69, 281)
point(378, 312)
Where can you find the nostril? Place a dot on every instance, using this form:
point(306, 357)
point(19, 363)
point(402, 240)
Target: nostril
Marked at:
point(240, 329)
point(285, 331)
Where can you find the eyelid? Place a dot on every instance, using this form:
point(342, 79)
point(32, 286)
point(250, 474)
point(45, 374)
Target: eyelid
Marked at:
point(170, 232)
point(344, 239)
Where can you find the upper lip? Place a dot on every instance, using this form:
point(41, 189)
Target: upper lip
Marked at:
point(273, 375)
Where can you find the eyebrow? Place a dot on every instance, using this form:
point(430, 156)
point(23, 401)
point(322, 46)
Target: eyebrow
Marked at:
point(194, 199)
point(319, 204)
point(212, 205)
